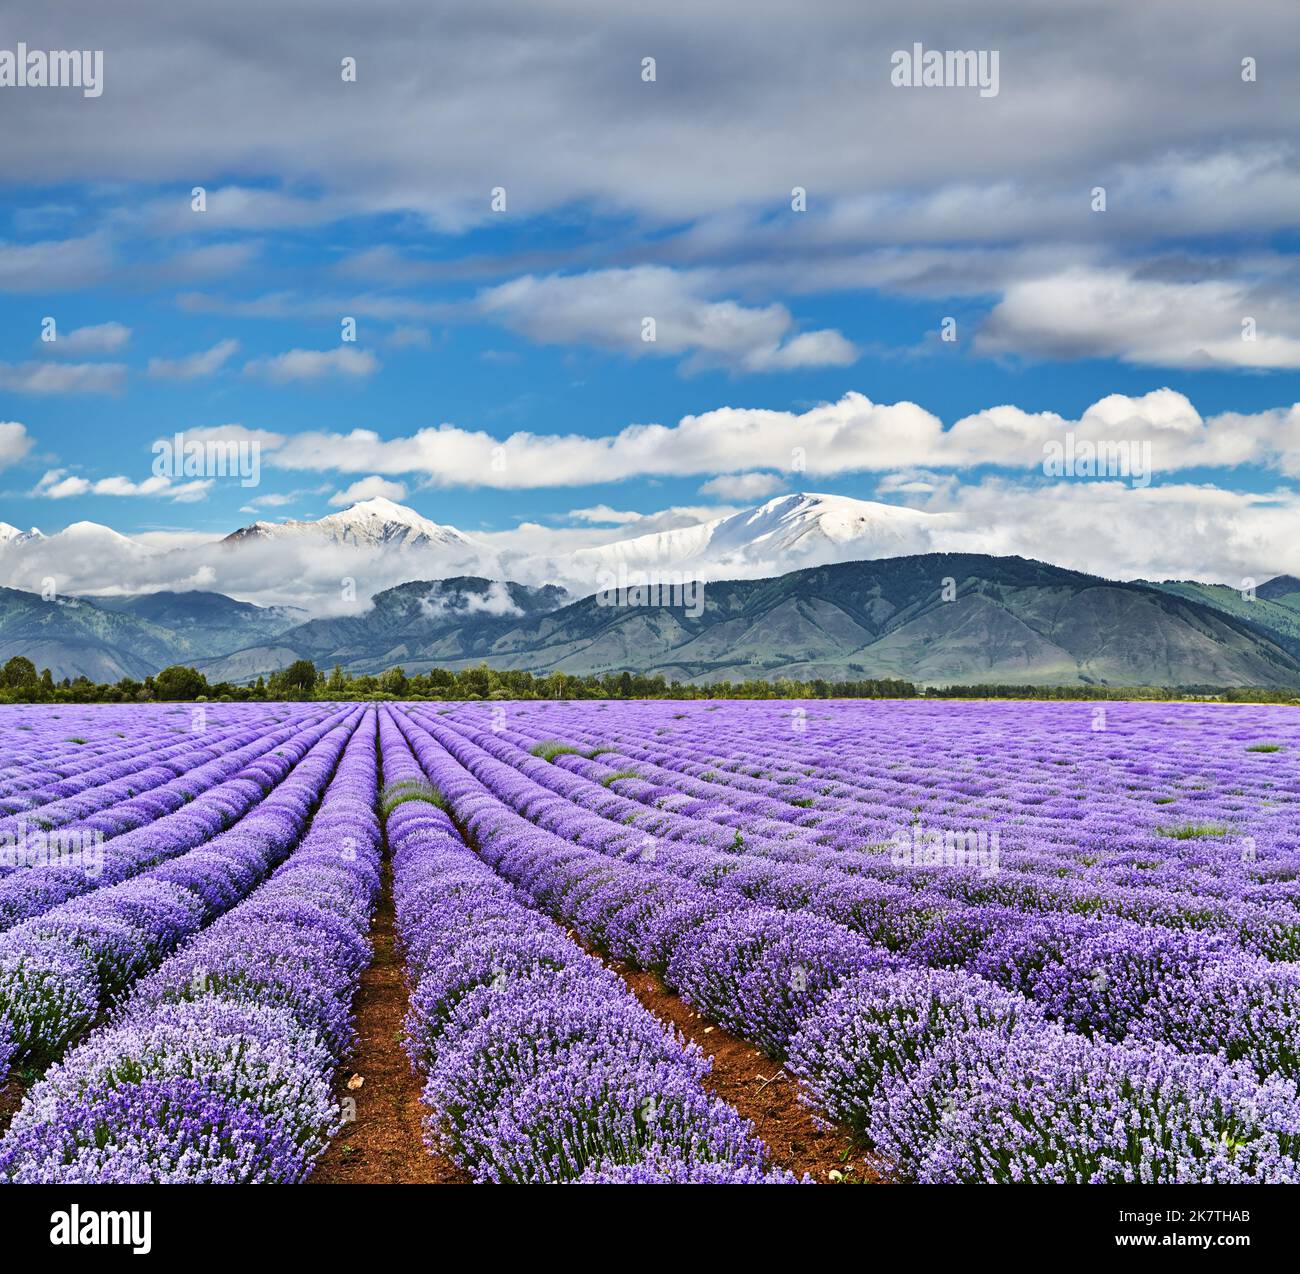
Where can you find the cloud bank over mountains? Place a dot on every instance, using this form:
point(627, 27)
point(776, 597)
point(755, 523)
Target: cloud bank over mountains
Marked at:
point(325, 566)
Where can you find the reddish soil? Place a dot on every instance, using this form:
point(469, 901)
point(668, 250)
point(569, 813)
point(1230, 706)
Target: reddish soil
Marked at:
point(11, 1097)
point(762, 1090)
point(385, 1144)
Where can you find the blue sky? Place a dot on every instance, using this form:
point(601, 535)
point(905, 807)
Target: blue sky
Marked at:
point(626, 199)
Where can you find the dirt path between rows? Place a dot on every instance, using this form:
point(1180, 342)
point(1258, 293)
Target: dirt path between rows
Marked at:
point(385, 1145)
point(761, 1090)
point(11, 1097)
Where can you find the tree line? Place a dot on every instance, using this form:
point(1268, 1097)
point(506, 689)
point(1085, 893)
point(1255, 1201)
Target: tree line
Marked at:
point(21, 683)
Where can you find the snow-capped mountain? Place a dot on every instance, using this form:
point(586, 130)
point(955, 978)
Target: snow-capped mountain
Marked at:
point(785, 533)
point(375, 523)
point(93, 535)
point(12, 535)
point(379, 544)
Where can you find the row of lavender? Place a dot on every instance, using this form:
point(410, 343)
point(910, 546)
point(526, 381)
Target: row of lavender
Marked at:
point(539, 1065)
point(228, 1005)
point(88, 938)
point(1078, 821)
point(134, 832)
point(53, 753)
point(130, 787)
point(951, 1076)
point(1105, 975)
point(217, 1066)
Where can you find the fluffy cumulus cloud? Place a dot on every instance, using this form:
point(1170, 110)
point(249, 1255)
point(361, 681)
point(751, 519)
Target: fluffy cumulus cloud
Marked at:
point(495, 601)
point(654, 310)
point(15, 442)
point(603, 515)
point(59, 484)
point(1114, 313)
point(851, 435)
point(368, 489)
point(98, 338)
point(1178, 531)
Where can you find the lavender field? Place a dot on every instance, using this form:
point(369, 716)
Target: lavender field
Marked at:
point(977, 941)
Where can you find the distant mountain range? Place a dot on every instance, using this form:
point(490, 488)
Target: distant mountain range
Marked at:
point(300, 563)
point(419, 625)
point(931, 618)
point(131, 636)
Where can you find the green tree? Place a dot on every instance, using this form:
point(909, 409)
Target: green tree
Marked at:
point(297, 680)
point(394, 682)
point(180, 682)
point(18, 674)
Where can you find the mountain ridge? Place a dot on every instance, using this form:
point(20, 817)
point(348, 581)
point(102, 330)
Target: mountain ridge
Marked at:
point(931, 618)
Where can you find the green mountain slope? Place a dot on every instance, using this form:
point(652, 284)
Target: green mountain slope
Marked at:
point(935, 618)
point(106, 639)
point(1273, 611)
point(418, 625)
point(205, 624)
point(75, 638)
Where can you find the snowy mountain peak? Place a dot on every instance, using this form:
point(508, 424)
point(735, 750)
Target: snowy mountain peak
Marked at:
point(840, 518)
point(373, 523)
point(789, 531)
point(12, 535)
point(88, 533)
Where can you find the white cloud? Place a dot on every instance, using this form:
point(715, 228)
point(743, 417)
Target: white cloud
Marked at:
point(63, 378)
point(281, 499)
point(313, 364)
point(916, 482)
point(1111, 313)
point(603, 514)
point(59, 484)
point(851, 435)
point(495, 601)
point(53, 263)
point(15, 442)
point(1179, 531)
point(409, 337)
point(578, 127)
point(102, 338)
point(1106, 528)
point(369, 489)
point(610, 309)
point(205, 363)
point(743, 486)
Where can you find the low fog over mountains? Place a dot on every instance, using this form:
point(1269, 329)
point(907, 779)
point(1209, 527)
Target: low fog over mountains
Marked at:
point(377, 544)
